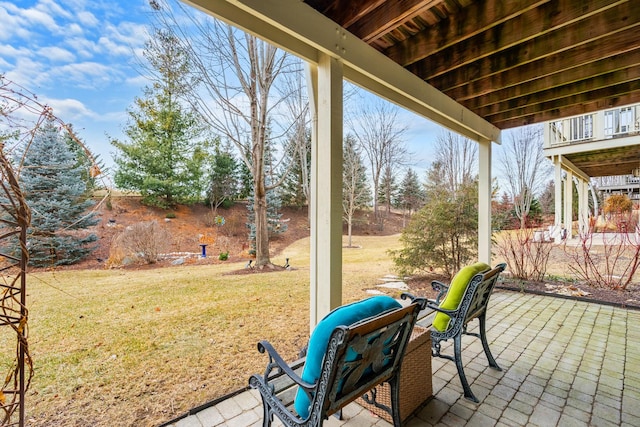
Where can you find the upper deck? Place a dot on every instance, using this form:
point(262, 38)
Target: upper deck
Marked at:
point(604, 143)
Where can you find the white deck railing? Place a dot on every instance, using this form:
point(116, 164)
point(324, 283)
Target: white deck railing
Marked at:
point(602, 125)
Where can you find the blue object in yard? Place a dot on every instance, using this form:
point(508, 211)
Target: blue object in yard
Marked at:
point(204, 250)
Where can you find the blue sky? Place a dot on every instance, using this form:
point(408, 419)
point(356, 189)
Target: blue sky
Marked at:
point(79, 57)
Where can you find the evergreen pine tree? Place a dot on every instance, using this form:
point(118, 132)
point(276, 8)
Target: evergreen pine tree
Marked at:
point(164, 156)
point(444, 232)
point(224, 183)
point(52, 180)
point(356, 193)
point(87, 162)
point(246, 182)
point(411, 195)
point(388, 192)
point(292, 190)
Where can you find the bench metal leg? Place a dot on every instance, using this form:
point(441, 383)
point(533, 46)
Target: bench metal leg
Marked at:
point(394, 384)
point(267, 416)
point(457, 351)
point(485, 344)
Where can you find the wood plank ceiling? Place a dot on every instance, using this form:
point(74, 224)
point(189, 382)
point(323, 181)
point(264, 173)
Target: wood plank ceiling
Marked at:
point(513, 62)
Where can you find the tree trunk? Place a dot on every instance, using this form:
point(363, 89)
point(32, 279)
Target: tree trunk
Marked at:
point(262, 230)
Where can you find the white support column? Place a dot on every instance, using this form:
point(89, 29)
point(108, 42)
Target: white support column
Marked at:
point(568, 204)
point(312, 88)
point(584, 208)
point(326, 192)
point(594, 199)
point(557, 223)
point(484, 201)
point(581, 212)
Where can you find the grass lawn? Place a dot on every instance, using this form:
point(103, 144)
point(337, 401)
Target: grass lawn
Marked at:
point(138, 348)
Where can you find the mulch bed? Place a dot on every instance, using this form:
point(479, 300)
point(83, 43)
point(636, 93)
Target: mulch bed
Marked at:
point(630, 298)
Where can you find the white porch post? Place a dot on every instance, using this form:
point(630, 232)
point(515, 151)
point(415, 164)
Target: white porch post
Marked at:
point(584, 207)
point(484, 201)
point(581, 213)
point(568, 204)
point(326, 191)
point(557, 223)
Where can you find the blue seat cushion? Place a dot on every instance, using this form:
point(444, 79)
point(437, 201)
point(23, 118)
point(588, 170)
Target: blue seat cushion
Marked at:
point(345, 315)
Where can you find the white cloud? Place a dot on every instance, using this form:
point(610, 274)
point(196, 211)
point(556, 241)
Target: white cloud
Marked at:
point(85, 75)
point(38, 18)
point(73, 29)
point(137, 81)
point(56, 54)
point(126, 34)
point(50, 7)
point(76, 55)
point(28, 73)
point(83, 47)
point(10, 22)
point(69, 110)
point(7, 50)
point(87, 19)
point(112, 48)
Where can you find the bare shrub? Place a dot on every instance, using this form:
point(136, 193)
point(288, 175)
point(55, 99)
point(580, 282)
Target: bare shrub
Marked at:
point(141, 241)
point(526, 257)
point(235, 225)
point(617, 204)
point(612, 264)
point(223, 243)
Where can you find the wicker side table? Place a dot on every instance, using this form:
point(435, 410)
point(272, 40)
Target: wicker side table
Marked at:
point(415, 378)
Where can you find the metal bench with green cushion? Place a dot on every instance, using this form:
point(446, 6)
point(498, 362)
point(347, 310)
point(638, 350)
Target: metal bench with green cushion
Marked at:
point(466, 298)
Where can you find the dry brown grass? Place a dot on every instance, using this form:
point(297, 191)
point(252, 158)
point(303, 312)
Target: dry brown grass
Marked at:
point(138, 348)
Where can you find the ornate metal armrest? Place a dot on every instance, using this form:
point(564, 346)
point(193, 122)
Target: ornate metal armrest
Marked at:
point(419, 300)
point(276, 362)
point(435, 306)
point(441, 288)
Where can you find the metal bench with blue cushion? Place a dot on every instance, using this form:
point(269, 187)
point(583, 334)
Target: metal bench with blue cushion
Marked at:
point(350, 358)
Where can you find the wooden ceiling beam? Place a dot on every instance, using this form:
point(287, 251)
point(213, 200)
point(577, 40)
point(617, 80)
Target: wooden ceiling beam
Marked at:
point(608, 161)
point(534, 82)
point(387, 16)
point(472, 64)
point(610, 95)
point(344, 12)
point(628, 93)
point(479, 79)
point(470, 21)
point(613, 81)
point(561, 67)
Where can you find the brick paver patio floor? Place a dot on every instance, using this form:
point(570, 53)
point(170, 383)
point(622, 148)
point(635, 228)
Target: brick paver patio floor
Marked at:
point(565, 363)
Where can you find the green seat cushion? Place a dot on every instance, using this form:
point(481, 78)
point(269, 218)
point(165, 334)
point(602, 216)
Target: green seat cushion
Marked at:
point(342, 316)
point(456, 291)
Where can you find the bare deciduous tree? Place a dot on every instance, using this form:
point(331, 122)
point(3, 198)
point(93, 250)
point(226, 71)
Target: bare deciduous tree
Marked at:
point(380, 134)
point(238, 75)
point(457, 157)
point(525, 168)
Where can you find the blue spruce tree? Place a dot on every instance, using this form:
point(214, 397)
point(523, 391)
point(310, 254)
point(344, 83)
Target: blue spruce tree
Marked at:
point(52, 180)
